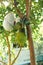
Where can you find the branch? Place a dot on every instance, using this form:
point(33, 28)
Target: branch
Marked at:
point(8, 50)
point(18, 11)
point(28, 6)
point(16, 56)
point(3, 62)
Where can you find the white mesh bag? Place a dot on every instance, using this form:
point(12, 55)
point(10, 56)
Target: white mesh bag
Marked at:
point(8, 22)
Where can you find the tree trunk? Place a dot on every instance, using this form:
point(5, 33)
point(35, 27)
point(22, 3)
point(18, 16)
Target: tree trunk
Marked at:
point(29, 33)
point(31, 47)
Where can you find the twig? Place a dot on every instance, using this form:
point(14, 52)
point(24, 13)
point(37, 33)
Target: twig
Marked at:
point(8, 50)
point(3, 62)
point(16, 56)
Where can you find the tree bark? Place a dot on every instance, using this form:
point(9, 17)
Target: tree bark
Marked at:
point(31, 47)
point(29, 33)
